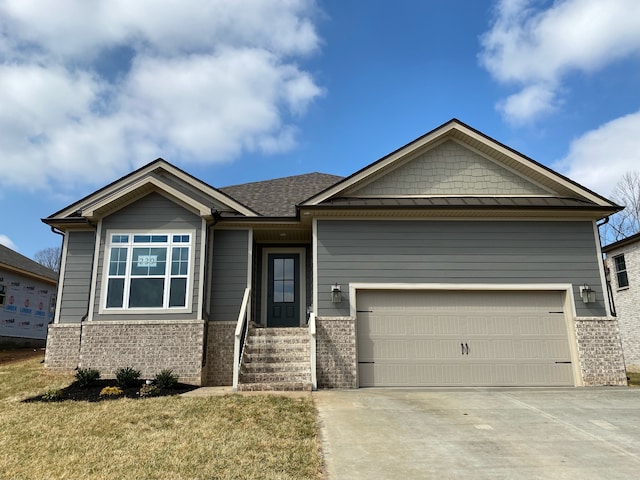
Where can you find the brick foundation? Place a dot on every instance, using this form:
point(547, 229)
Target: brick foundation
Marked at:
point(63, 347)
point(336, 365)
point(218, 370)
point(600, 351)
point(148, 346)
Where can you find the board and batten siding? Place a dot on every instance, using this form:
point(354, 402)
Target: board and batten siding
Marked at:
point(457, 252)
point(230, 258)
point(76, 284)
point(152, 213)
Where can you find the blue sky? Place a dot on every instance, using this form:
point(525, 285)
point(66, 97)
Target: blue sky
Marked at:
point(235, 91)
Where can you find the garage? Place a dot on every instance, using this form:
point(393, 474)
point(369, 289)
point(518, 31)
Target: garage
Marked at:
point(462, 338)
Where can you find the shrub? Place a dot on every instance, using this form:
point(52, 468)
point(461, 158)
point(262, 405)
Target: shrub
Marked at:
point(86, 376)
point(127, 376)
point(111, 392)
point(166, 379)
point(149, 391)
point(52, 395)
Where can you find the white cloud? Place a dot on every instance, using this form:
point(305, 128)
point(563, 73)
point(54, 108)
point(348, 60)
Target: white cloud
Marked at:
point(534, 47)
point(196, 81)
point(532, 101)
point(6, 241)
point(599, 158)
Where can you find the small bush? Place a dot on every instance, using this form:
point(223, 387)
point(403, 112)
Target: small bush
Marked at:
point(149, 391)
point(127, 376)
point(86, 376)
point(111, 392)
point(52, 395)
point(166, 379)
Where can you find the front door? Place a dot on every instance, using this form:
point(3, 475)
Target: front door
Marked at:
point(283, 290)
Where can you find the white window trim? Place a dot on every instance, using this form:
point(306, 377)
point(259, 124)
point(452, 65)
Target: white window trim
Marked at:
point(146, 310)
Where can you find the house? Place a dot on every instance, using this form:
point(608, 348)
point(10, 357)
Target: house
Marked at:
point(454, 260)
point(27, 297)
point(623, 271)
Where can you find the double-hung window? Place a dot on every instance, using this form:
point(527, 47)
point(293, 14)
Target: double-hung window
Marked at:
point(621, 271)
point(148, 270)
point(3, 295)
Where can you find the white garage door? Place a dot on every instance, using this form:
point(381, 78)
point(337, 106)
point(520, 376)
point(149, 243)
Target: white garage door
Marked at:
point(462, 338)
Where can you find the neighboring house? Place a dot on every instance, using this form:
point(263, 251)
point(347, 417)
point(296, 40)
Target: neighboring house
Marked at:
point(27, 298)
point(623, 269)
point(454, 260)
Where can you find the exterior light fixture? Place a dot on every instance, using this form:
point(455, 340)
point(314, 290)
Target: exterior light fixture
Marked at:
point(588, 294)
point(336, 294)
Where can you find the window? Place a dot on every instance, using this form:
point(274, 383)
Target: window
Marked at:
point(621, 271)
point(148, 270)
point(3, 295)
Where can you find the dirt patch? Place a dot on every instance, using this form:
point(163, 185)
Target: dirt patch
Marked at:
point(19, 354)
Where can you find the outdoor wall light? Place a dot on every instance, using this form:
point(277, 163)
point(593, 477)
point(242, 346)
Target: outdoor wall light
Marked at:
point(588, 294)
point(336, 294)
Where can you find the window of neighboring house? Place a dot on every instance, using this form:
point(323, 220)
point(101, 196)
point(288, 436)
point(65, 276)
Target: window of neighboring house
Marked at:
point(621, 271)
point(3, 295)
point(148, 270)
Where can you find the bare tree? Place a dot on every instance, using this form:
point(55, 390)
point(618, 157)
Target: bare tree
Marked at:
point(627, 222)
point(49, 257)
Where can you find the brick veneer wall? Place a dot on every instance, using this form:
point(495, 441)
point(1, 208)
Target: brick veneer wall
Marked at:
point(149, 346)
point(627, 301)
point(600, 351)
point(336, 365)
point(219, 360)
point(63, 347)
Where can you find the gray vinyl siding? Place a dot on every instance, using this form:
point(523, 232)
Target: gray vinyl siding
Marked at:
point(153, 212)
point(230, 259)
point(509, 252)
point(76, 284)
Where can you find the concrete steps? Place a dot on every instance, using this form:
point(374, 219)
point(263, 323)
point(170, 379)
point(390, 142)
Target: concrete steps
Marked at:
point(276, 359)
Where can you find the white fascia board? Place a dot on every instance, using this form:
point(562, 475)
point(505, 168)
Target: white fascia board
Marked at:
point(119, 187)
point(440, 134)
point(202, 209)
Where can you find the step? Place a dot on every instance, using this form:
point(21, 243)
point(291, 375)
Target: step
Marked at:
point(266, 367)
point(276, 387)
point(288, 348)
point(274, 377)
point(291, 332)
point(276, 357)
point(277, 340)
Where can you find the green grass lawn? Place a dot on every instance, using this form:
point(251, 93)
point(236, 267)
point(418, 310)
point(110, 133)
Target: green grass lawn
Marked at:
point(227, 437)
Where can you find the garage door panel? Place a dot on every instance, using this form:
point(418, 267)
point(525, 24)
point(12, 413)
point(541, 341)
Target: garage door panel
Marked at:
point(457, 338)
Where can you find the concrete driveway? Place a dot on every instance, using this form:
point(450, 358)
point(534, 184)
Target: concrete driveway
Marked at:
point(572, 433)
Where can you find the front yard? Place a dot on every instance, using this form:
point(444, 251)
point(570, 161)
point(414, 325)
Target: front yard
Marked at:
point(173, 437)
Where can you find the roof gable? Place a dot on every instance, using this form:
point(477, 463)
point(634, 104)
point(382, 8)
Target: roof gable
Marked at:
point(510, 160)
point(448, 169)
point(159, 176)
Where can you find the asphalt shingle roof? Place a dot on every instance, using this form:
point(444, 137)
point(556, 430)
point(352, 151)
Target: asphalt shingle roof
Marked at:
point(13, 259)
point(279, 197)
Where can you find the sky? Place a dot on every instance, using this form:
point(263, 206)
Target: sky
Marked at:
point(239, 91)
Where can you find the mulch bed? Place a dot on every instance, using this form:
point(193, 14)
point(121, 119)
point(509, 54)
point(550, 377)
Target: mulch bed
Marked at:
point(91, 393)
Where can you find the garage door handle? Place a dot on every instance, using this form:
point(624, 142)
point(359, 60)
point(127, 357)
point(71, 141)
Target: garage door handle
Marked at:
point(465, 348)
point(366, 362)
